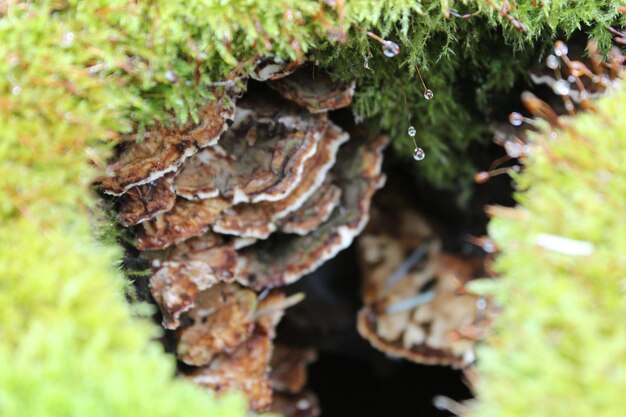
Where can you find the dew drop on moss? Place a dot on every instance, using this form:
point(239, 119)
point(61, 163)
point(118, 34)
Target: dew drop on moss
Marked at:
point(390, 49)
point(552, 62)
point(419, 154)
point(411, 131)
point(428, 94)
point(516, 119)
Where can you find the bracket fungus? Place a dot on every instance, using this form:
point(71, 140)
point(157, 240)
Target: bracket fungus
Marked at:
point(244, 367)
point(187, 269)
point(260, 158)
point(415, 304)
point(282, 260)
point(283, 191)
point(222, 320)
point(144, 202)
point(164, 149)
point(315, 91)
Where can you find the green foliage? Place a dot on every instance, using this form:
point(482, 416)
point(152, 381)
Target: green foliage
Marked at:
point(77, 74)
point(469, 64)
point(558, 348)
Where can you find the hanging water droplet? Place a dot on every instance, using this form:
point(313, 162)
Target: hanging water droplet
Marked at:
point(571, 79)
point(390, 49)
point(428, 94)
point(481, 303)
point(561, 87)
point(67, 40)
point(411, 131)
point(560, 48)
point(552, 62)
point(169, 76)
point(16, 90)
point(516, 119)
point(419, 154)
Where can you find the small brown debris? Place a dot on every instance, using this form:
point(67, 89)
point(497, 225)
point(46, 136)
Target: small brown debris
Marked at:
point(143, 202)
point(164, 149)
point(314, 90)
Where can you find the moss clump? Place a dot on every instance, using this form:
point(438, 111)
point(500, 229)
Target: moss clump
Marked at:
point(558, 348)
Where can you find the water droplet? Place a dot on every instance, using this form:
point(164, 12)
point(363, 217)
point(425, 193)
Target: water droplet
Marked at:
point(428, 94)
point(560, 48)
point(561, 87)
point(169, 75)
point(571, 79)
point(481, 303)
point(419, 154)
point(412, 131)
point(390, 49)
point(516, 119)
point(67, 40)
point(16, 90)
point(552, 62)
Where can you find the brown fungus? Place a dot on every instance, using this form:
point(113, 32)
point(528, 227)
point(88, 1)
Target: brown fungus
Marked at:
point(314, 90)
point(245, 370)
point(284, 259)
point(259, 220)
point(246, 367)
point(260, 158)
point(315, 211)
point(187, 270)
point(187, 219)
point(222, 319)
point(143, 202)
point(415, 304)
point(164, 149)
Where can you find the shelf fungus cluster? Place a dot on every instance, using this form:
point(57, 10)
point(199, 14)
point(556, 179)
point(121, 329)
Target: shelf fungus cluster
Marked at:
point(415, 303)
point(261, 191)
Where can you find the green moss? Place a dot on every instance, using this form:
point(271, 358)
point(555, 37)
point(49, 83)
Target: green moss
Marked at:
point(77, 74)
point(558, 348)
